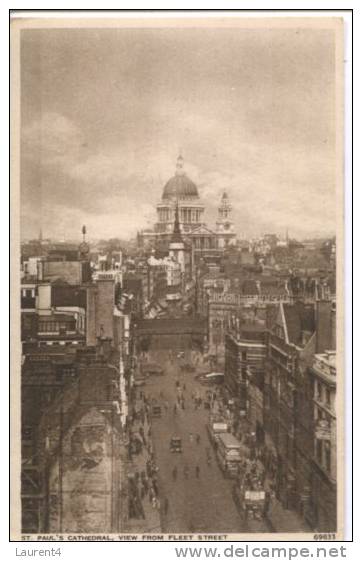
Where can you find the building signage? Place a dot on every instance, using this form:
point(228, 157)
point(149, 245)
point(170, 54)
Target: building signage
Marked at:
point(254, 495)
point(239, 299)
point(219, 427)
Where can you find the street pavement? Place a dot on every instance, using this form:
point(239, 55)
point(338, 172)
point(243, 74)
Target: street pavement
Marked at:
point(195, 504)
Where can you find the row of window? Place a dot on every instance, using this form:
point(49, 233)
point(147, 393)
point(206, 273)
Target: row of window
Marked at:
point(56, 326)
point(322, 394)
point(186, 215)
point(63, 343)
point(323, 454)
point(28, 292)
point(205, 243)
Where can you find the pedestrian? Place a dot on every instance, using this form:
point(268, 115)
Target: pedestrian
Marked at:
point(174, 473)
point(175, 409)
point(262, 477)
point(197, 472)
point(191, 437)
point(151, 495)
point(165, 506)
point(266, 504)
point(184, 387)
point(198, 439)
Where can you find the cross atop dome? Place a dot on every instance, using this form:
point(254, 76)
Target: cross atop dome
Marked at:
point(180, 165)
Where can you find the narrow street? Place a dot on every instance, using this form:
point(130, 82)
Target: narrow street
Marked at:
point(196, 504)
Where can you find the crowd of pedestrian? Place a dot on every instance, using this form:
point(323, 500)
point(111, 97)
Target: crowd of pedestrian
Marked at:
point(142, 485)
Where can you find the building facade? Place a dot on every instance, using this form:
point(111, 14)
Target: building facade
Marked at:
point(245, 352)
point(323, 494)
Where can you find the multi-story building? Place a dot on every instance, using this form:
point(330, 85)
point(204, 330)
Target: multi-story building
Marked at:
point(298, 332)
point(291, 341)
point(322, 488)
point(54, 314)
point(250, 302)
point(71, 445)
point(77, 366)
point(245, 352)
point(209, 283)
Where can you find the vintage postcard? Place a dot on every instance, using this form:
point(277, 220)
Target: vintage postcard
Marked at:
point(177, 283)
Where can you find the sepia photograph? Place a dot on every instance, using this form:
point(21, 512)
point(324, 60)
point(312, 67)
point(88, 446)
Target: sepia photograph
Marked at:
point(177, 278)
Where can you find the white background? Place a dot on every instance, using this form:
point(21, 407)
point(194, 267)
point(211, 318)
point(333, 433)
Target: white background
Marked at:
point(165, 551)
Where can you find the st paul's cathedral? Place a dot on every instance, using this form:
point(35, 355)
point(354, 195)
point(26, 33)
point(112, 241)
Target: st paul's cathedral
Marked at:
point(180, 196)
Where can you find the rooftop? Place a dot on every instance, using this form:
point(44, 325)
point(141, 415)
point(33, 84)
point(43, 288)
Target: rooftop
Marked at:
point(298, 318)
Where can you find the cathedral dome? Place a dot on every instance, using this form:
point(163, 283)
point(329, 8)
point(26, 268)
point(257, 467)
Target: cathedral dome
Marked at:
point(180, 186)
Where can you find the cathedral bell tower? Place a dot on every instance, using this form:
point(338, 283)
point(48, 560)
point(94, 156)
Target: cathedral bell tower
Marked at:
point(224, 225)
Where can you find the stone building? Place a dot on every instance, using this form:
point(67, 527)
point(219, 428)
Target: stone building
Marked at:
point(291, 340)
point(249, 299)
point(182, 192)
point(245, 353)
point(71, 443)
point(293, 432)
point(181, 189)
point(322, 485)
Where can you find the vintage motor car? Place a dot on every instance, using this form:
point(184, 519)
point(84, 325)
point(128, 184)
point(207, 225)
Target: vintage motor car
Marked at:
point(249, 502)
point(187, 367)
point(176, 444)
point(152, 369)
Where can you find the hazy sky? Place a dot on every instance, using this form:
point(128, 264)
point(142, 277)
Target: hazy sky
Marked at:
point(105, 113)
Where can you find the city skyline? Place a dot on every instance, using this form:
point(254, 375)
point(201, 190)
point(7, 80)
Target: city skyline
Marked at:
point(106, 112)
point(178, 351)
